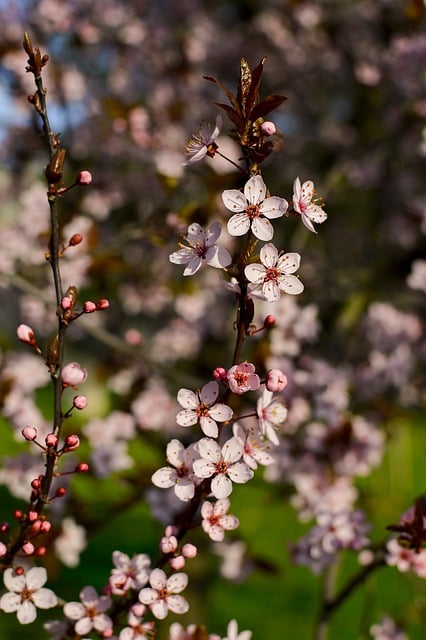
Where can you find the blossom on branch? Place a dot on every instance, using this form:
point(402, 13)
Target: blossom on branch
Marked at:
point(215, 519)
point(162, 595)
point(26, 593)
point(179, 474)
point(252, 209)
point(203, 143)
point(275, 273)
point(201, 247)
point(272, 414)
point(201, 407)
point(305, 204)
point(242, 378)
point(90, 612)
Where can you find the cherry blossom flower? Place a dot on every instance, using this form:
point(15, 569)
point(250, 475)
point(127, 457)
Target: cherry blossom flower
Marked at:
point(179, 475)
point(178, 632)
point(216, 520)
point(387, 630)
point(200, 406)
point(89, 613)
point(224, 464)
point(275, 273)
point(201, 247)
point(252, 209)
point(255, 447)
point(405, 559)
point(242, 378)
point(305, 203)
point(128, 573)
point(203, 143)
point(73, 374)
point(25, 593)
point(232, 632)
point(275, 380)
point(272, 414)
point(162, 595)
point(137, 630)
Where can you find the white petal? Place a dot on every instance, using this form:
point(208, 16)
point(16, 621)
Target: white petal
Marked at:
point(177, 582)
point(273, 207)
point(10, 602)
point(239, 224)
point(209, 392)
point(184, 489)
point(255, 190)
point(221, 486)
point(229, 522)
point(193, 266)
point(307, 191)
point(221, 506)
point(207, 509)
point(74, 610)
point(316, 213)
point(14, 582)
point(262, 229)
point(148, 596)
point(308, 224)
point(209, 450)
point(158, 579)
point(187, 399)
point(291, 284)
point(204, 469)
point(220, 412)
point(102, 622)
point(269, 255)
point(213, 233)
point(174, 452)
point(89, 597)
point(45, 598)
point(195, 234)
point(183, 256)
point(255, 273)
point(83, 626)
point(36, 578)
point(289, 262)
point(26, 612)
point(218, 257)
point(232, 450)
point(234, 200)
point(209, 427)
point(177, 604)
point(164, 478)
point(240, 473)
point(271, 291)
point(160, 609)
point(187, 418)
point(215, 532)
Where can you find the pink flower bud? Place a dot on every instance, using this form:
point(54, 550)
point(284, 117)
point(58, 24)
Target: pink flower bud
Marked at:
point(80, 402)
point(72, 375)
point(28, 548)
point(26, 334)
point(32, 516)
point(268, 128)
point(84, 178)
point(103, 303)
point(108, 633)
point(189, 550)
point(269, 322)
point(275, 380)
point(168, 544)
point(60, 492)
point(138, 609)
point(219, 374)
point(40, 551)
point(29, 433)
point(66, 303)
point(76, 239)
point(71, 443)
point(4, 527)
point(82, 467)
point(3, 549)
point(51, 440)
point(170, 530)
point(89, 306)
point(35, 528)
point(177, 563)
point(45, 526)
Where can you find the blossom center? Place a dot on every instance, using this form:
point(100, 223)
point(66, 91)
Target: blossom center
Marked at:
point(222, 467)
point(240, 378)
point(253, 211)
point(202, 410)
point(201, 250)
point(182, 471)
point(26, 594)
point(272, 274)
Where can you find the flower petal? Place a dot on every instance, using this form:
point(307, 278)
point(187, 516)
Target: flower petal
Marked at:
point(14, 582)
point(239, 224)
point(289, 262)
point(269, 255)
point(234, 200)
point(164, 478)
point(209, 392)
point(273, 207)
point(36, 578)
point(195, 234)
point(26, 612)
point(160, 609)
point(187, 418)
point(209, 450)
point(218, 257)
point(174, 452)
point(255, 273)
point(232, 450)
point(193, 266)
point(187, 399)
point(10, 602)
point(74, 610)
point(240, 473)
point(213, 233)
point(158, 579)
point(291, 284)
point(148, 596)
point(177, 604)
point(262, 229)
point(255, 190)
point(203, 468)
point(184, 489)
point(220, 412)
point(209, 427)
point(221, 486)
point(177, 582)
point(45, 598)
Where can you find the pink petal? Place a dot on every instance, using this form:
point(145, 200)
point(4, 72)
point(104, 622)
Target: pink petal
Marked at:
point(209, 392)
point(218, 257)
point(102, 622)
point(177, 582)
point(207, 509)
point(187, 418)
point(160, 609)
point(240, 473)
point(74, 610)
point(262, 229)
point(89, 597)
point(158, 579)
point(184, 489)
point(213, 233)
point(229, 522)
point(239, 224)
point(83, 626)
point(26, 612)
point(177, 604)
point(45, 598)
point(221, 506)
point(148, 596)
point(10, 602)
point(195, 235)
point(193, 266)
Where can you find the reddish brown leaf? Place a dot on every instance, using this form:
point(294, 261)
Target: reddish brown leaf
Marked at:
point(256, 78)
point(267, 105)
point(225, 90)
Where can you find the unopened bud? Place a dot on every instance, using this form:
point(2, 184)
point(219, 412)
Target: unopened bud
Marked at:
point(220, 374)
point(60, 492)
point(73, 374)
point(76, 239)
point(26, 334)
point(29, 433)
point(71, 442)
point(103, 303)
point(177, 563)
point(189, 550)
point(82, 467)
point(269, 322)
point(28, 548)
point(3, 549)
point(89, 306)
point(84, 178)
point(268, 128)
point(66, 303)
point(32, 516)
point(80, 402)
point(51, 440)
point(275, 380)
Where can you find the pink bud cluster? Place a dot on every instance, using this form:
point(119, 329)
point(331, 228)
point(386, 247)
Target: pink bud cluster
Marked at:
point(169, 545)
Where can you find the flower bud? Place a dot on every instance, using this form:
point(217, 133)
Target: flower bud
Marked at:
point(51, 440)
point(189, 550)
point(168, 544)
point(32, 516)
point(89, 306)
point(3, 549)
point(103, 303)
point(80, 402)
point(60, 492)
point(82, 467)
point(76, 239)
point(66, 303)
point(71, 443)
point(29, 433)
point(26, 334)
point(275, 380)
point(177, 563)
point(28, 548)
point(84, 178)
point(268, 128)
point(269, 322)
point(219, 374)
point(73, 374)
point(40, 551)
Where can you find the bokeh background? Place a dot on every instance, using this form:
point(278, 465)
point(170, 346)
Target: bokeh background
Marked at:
point(126, 90)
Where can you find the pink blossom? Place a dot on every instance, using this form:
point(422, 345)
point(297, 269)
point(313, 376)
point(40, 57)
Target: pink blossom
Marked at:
point(203, 143)
point(268, 128)
point(162, 595)
point(73, 374)
point(242, 378)
point(25, 593)
point(90, 612)
point(305, 203)
point(84, 178)
point(201, 247)
point(216, 520)
point(137, 630)
point(232, 632)
point(255, 447)
point(275, 380)
point(252, 209)
point(201, 406)
point(272, 413)
point(128, 573)
point(275, 273)
point(180, 474)
point(224, 465)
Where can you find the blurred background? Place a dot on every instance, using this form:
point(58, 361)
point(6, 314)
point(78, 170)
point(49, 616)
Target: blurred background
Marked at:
point(125, 90)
